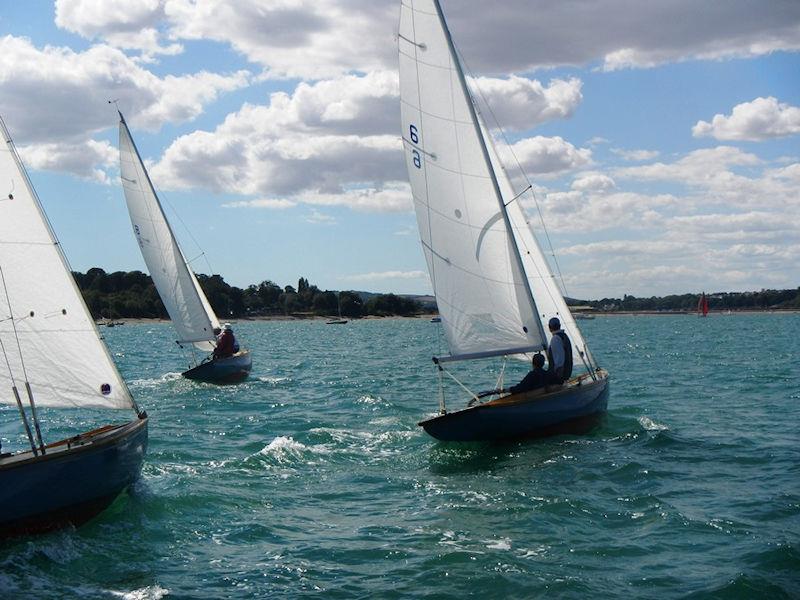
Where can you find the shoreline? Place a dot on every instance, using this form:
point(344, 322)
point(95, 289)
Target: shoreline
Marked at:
point(429, 316)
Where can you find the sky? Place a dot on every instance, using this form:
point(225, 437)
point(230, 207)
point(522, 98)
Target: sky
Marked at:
point(662, 139)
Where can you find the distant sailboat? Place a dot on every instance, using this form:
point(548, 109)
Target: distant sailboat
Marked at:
point(702, 306)
point(493, 286)
point(340, 320)
point(51, 355)
point(191, 314)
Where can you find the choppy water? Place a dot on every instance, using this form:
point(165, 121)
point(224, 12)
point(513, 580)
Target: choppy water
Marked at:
point(312, 479)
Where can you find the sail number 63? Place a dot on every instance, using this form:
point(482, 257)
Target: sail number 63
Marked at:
point(413, 133)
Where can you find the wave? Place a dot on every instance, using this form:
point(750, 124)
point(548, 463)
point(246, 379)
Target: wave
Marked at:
point(151, 592)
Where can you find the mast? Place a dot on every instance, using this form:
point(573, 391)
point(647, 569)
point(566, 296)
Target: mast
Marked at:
point(493, 176)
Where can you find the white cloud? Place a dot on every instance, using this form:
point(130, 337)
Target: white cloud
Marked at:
point(84, 159)
point(521, 103)
point(323, 145)
point(635, 155)
point(320, 218)
point(58, 97)
point(593, 182)
point(761, 119)
point(293, 38)
point(698, 167)
point(314, 39)
point(130, 24)
point(546, 155)
point(269, 203)
point(376, 276)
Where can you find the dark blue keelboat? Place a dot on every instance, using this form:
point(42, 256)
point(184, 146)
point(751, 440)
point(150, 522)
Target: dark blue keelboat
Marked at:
point(177, 286)
point(52, 356)
point(231, 369)
point(494, 288)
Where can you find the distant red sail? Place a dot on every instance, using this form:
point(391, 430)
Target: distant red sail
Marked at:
point(702, 305)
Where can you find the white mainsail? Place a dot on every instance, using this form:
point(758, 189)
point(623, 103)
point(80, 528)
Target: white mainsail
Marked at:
point(47, 336)
point(493, 286)
point(177, 286)
point(476, 273)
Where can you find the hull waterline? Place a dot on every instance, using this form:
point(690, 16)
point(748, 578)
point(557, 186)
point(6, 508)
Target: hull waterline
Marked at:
point(570, 409)
point(73, 482)
point(232, 369)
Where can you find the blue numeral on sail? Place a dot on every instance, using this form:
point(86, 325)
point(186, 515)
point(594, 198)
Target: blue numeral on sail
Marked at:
point(412, 132)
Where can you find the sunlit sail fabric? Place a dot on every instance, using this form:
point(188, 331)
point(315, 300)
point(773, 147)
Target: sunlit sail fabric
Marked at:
point(187, 306)
point(56, 346)
point(478, 282)
point(549, 299)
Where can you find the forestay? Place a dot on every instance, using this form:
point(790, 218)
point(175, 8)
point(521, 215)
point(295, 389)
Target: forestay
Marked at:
point(478, 280)
point(47, 335)
point(187, 306)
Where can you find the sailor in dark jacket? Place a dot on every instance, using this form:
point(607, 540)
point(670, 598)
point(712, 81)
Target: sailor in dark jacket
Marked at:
point(535, 379)
point(559, 353)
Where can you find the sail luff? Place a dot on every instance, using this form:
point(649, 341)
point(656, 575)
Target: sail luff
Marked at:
point(189, 309)
point(493, 175)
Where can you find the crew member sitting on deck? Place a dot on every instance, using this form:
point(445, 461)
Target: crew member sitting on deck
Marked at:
point(535, 379)
point(559, 354)
point(226, 343)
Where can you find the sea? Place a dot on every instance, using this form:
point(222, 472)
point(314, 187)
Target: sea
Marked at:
point(312, 478)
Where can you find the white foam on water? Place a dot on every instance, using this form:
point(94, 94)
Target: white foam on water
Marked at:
point(151, 592)
point(273, 380)
point(651, 425)
point(501, 544)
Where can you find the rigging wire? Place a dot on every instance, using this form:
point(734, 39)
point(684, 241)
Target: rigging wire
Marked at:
point(519, 166)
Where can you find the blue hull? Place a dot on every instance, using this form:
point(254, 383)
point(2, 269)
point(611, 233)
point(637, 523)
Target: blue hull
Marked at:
point(74, 481)
point(232, 369)
point(572, 409)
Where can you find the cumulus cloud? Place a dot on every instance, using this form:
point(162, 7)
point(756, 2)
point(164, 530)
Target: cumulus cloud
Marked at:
point(698, 167)
point(635, 155)
point(520, 103)
point(540, 155)
point(293, 39)
point(593, 182)
point(380, 275)
point(86, 160)
point(323, 145)
point(761, 119)
point(56, 96)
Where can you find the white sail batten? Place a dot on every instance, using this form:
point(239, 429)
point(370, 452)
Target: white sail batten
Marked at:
point(177, 285)
point(478, 280)
point(48, 336)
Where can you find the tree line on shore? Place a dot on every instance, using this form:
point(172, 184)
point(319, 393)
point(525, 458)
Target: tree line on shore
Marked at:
point(762, 300)
point(131, 294)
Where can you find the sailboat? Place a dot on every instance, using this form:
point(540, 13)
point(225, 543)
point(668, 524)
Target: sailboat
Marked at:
point(191, 314)
point(51, 355)
point(340, 320)
point(702, 306)
point(494, 288)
